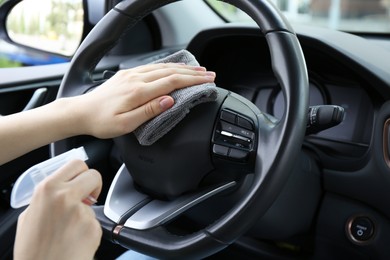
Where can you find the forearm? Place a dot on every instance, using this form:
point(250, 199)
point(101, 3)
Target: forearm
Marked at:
point(23, 132)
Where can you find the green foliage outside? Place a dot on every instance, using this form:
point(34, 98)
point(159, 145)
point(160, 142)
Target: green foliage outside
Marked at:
point(5, 63)
point(226, 10)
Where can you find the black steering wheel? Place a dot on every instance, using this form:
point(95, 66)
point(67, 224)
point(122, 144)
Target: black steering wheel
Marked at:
point(230, 137)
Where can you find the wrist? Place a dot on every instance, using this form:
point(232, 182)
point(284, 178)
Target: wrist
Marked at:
point(71, 115)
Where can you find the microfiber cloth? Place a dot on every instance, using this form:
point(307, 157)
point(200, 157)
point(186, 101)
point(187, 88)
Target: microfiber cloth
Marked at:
point(185, 99)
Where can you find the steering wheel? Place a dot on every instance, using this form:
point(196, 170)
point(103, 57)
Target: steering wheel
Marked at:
point(228, 137)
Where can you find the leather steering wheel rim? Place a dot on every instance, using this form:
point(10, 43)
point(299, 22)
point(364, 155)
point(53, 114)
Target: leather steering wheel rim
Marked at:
point(280, 140)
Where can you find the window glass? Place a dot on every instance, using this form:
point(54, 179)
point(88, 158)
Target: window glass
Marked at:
point(52, 25)
point(371, 16)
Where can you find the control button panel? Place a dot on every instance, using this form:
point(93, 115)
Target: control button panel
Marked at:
point(234, 136)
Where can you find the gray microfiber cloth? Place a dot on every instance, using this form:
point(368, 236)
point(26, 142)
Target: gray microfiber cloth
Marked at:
point(185, 99)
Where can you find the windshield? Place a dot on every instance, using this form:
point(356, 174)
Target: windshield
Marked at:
point(363, 16)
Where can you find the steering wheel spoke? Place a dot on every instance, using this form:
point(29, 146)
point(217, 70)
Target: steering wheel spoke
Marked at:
point(126, 206)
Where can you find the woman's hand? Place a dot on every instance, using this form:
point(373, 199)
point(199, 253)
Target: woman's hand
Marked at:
point(132, 97)
point(59, 222)
point(118, 106)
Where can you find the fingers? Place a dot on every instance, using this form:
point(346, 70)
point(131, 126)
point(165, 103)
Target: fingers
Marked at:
point(156, 66)
point(149, 98)
point(165, 70)
point(87, 184)
point(69, 171)
point(146, 112)
point(145, 83)
point(83, 182)
point(151, 72)
point(162, 81)
point(173, 81)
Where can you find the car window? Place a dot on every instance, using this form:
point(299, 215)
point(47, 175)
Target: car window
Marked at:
point(52, 26)
point(364, 16)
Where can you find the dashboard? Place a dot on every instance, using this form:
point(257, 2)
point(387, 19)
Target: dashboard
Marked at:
point(242, 61)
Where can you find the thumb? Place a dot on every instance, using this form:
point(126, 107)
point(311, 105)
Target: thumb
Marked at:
point(157, 106)
point(147, 111)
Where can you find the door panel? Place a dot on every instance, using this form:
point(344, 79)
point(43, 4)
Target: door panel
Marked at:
point(21, 89)
point(13, 99)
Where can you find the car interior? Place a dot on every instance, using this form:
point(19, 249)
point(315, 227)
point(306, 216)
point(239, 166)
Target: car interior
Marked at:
point(290, 162)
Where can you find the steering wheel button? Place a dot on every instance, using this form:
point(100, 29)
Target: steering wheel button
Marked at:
point(238, 154)
point(226, 133)
point(228, 117)
point(220, 150)
point(246, 133)
point(244, 123)
point(247, 140)
point(237, 130)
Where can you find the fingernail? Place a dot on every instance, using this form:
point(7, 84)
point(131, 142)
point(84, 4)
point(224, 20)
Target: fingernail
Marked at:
point(210, 74)
point(165, 103)
point(199, 68)
point(90, 200)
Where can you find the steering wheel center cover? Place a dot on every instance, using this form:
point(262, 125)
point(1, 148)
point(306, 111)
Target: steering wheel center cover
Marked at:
point(279, 143)
point(178, 161)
